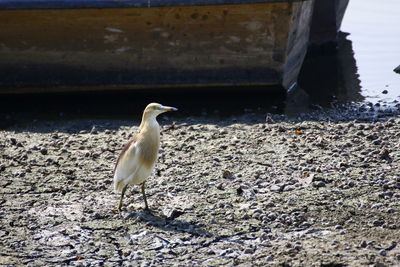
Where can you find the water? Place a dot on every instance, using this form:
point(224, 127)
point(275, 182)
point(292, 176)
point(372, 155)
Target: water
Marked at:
point(374, 28)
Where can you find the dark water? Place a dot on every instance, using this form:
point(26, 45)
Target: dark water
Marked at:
point(360, 70)
point(330, 76)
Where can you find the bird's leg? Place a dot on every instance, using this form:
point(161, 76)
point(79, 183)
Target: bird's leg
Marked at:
point(122, 196)
point(146, 207)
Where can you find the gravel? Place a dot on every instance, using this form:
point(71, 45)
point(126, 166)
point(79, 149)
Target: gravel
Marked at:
point(319, 189)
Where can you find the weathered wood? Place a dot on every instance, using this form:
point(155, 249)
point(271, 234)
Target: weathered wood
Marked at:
point(221, 45)
point(297, 42)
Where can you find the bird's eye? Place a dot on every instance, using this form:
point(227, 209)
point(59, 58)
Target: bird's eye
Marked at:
point(155, 107)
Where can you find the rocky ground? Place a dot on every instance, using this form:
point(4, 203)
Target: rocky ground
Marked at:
point(321, 189)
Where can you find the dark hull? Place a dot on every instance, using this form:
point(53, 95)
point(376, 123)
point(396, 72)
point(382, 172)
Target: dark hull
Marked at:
point(326, 21)
point(80, 47)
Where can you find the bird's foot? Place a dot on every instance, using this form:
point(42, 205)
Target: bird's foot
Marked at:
point(117, 210)
point(148, 210)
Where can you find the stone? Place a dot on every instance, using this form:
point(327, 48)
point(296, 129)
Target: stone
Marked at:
point(43, 151)
point(275, 188)
point(383, 252)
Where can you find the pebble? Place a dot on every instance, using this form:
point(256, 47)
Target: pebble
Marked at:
point(383, 252)
point(13, 141)
point(384, 154)
point(210, 252)
point(289, 188)
point(220, 186)
point(94, 130)
point(390, 210)
point(97, 216)
point(272, 216)
point(372, 137)
point(249, 250)
point(275, 188)
point(376, 206)
point(376, 142)
point(239, 191)
point(172, 213)
point(226, 174)
point(364, 244)
point(43, 151)
point(378, 223)
point(305, 225)
point(360, 133)
point(338, 227)
point(318, 184)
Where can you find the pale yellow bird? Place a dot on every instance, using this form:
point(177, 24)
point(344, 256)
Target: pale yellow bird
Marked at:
point(138, 157)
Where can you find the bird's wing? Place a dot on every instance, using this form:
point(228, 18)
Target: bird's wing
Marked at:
point(127, 164)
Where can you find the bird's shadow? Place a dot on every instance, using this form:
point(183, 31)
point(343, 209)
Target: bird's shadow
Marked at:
point(168, 223)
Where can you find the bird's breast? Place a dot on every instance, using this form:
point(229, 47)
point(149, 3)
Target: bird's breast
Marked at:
point(149, 150)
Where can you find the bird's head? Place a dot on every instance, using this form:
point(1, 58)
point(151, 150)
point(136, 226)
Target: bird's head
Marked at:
point(155, 109)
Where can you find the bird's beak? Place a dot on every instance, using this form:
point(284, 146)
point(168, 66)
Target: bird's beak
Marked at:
point(165, 108)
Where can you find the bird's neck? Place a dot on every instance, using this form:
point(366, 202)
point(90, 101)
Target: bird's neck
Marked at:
point(150, 138)
point(149, 123)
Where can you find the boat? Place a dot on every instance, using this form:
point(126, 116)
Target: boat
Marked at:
point(75, 45)
point(326, 21)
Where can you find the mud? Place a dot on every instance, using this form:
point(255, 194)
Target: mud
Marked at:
point(321, 189)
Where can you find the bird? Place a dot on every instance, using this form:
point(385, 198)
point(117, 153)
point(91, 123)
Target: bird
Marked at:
point(138, 157)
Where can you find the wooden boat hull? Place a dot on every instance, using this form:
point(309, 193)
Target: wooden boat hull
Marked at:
point(163, 46)
point(326, 21)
